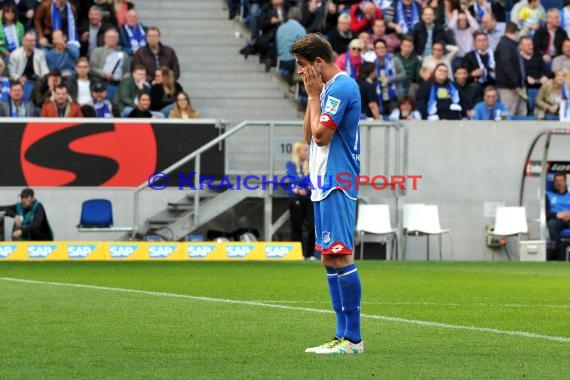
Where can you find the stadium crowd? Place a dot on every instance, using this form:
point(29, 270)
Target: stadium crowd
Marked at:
point(429, 59)
point(85, 58)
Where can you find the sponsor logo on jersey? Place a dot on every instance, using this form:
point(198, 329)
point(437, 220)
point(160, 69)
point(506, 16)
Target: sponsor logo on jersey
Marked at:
point(337, 248)
point(326, 237)
point(332, 105)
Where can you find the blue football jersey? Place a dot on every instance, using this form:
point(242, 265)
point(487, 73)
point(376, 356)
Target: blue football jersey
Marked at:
point(340, 110)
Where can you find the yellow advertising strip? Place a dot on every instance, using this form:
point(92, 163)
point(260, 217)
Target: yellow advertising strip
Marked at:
point(149, 251)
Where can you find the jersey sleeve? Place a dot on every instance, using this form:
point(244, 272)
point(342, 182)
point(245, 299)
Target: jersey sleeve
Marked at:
point(335, 104)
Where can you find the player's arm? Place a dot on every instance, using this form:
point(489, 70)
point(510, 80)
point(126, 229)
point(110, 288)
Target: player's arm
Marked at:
point(307, 126)
point(320, 133)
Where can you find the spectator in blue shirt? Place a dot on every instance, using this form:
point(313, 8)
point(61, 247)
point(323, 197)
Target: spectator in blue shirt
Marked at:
point(490, 108)
point(287, 34)
point(63, 56)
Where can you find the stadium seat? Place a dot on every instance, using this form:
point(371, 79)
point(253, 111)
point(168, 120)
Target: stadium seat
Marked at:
point(97, 215)
point(510, 221)
point(423, 220)
point(374, 219)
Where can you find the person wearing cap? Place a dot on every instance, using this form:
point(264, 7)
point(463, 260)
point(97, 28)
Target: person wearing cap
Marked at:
point(103, 107)
point(30, 219)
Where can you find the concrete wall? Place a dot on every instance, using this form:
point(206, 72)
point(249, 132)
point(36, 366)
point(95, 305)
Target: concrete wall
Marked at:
point(467, 169)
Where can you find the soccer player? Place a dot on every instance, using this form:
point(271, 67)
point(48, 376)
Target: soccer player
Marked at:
point(331, 128)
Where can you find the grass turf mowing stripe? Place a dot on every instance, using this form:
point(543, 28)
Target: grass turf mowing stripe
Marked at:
point(296, 308)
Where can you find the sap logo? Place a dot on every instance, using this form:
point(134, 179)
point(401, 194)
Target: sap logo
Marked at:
point(200, 251)
point(122, 251)
point(80, 251)
point(40, 251)
point(238, 251)
point(161, 251)
point(277, 251)
point(6, 250)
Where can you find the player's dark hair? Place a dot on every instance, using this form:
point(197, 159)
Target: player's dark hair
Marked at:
point(559, 174)
point(311, 47)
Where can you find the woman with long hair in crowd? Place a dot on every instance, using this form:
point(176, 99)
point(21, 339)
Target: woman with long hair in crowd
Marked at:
point(183, 108)
point(11, 30)
point(438, 98)
point(300, 205)
point(163, 91)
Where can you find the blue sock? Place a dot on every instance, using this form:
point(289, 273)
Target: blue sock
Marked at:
point(350, 293)
point(334, 290)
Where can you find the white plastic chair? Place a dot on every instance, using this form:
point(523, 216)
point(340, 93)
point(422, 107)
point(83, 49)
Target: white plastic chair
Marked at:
point(510, 221)
point(423, 220)
point(374, 219)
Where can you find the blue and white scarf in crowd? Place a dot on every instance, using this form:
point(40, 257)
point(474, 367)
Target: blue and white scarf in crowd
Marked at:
point(11, 37)
point(402, 19)
point(490, 63)
point(57, 24)
point(103, 109)
point(389, 73)
point(479, 11)
point(18, 111)
point(137, 36)
point(349, 67)
point(4, 89)
point(564, 111)
point(432, 102)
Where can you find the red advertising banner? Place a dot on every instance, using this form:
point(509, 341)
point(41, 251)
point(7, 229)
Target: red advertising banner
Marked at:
point(91, 153)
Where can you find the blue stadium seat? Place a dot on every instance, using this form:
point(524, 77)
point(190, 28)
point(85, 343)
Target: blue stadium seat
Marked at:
point(96, 213)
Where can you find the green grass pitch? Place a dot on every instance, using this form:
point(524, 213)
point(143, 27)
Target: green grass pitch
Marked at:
point(253, 320)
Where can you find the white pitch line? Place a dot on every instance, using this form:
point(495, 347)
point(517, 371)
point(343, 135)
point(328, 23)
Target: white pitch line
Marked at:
point(450, 304)
point(295, 308)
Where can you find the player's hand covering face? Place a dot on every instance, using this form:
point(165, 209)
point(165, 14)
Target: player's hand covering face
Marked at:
point(311, 78)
